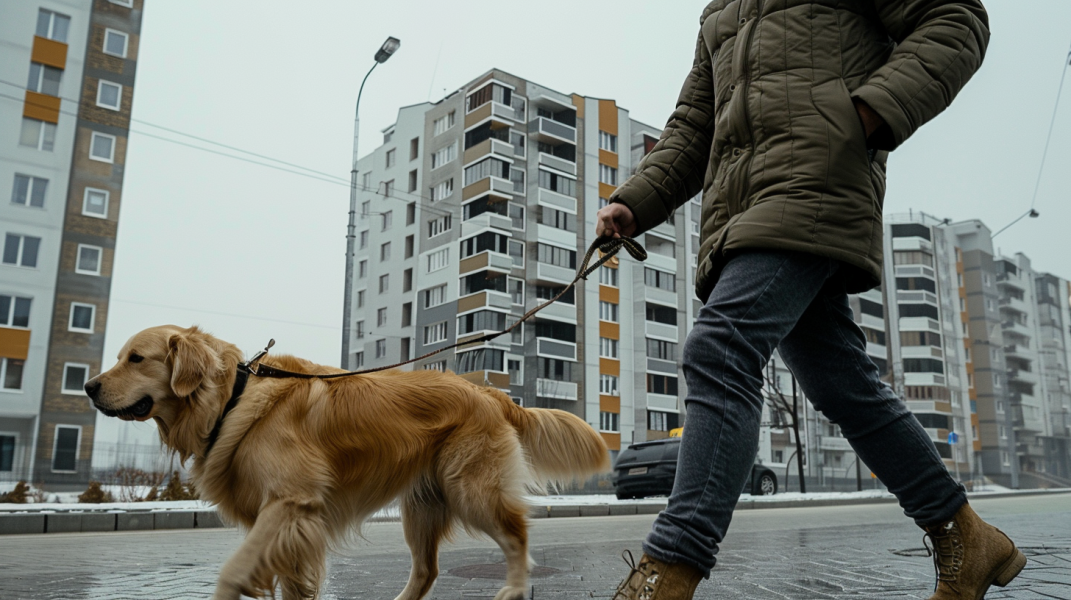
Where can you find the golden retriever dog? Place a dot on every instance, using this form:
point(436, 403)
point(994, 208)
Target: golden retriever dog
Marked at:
point(300, 463)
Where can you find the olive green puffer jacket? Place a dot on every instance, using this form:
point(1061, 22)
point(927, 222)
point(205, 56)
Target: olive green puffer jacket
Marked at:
point(766, 126)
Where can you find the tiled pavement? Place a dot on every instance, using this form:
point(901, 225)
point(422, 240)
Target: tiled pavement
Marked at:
point(882, 560)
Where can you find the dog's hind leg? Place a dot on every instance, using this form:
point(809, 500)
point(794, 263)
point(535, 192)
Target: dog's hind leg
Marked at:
point(426, 522)
point(287, 542)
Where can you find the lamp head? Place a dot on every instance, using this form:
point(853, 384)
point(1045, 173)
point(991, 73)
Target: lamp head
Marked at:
point(388, 49)
point(1034, 214)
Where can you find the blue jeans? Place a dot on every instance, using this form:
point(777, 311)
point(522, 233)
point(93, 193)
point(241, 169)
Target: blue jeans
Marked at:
point(795, 302)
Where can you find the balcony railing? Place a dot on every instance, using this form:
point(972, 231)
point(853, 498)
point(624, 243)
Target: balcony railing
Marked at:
point(551, 132)
point(551, 348)
point(560, 164)
point(562, 390)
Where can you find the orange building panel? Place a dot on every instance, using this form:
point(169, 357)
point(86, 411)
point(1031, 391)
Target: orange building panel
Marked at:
point(14, 343)
point(609, 294)
point(608, 158)
point(606, 190)
point(608, 116)
point(41, 107)
point(610, 404)
point(613, 440)
point(609, 366)
point(49, 52)
point(609, 330)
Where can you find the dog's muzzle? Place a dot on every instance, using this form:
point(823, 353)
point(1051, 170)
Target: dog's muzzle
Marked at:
point(138, 410)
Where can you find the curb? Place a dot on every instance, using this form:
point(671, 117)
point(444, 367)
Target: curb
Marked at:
point(46, 521)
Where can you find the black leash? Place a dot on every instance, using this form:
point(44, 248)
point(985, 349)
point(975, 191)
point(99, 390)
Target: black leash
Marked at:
point(236, 394)
point(608, 247)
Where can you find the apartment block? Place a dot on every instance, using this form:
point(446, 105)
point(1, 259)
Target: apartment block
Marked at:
point(476, 209)
point(66, 92)
point(1053, 296)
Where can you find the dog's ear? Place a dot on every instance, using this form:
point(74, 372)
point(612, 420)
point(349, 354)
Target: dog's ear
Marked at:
point(192, 361)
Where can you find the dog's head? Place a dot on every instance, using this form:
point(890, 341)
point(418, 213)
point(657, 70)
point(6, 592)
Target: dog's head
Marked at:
point(166, 373)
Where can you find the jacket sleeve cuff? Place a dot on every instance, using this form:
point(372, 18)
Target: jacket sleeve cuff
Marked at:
point(897, 127)
point(642, 199)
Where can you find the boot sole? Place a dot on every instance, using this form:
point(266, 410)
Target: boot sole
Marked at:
point(1010, 569)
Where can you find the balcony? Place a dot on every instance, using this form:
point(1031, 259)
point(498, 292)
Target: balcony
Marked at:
point(492, 261)
point(513, 113)
point(659, 296)
point(559, 311)
point(485, 221)
point(662, 402)
point(561, 390)
point(1015, 326)
point(493, 185)
point(551, 348)
point(1023, 376)
point(553, 273)
point(661, 262)
point(498, 343)
point(484, 300)
point(914, 271)
point(560, 164)
point(919, 324)
point(916, 296)
point(488, 378)
point(551, 132)
point(657, 365)
point(555, 236)
point(556, 200)
point(1013, 304)
point(661, 331)
point(924, 379)
point(1018, 351)
point(912, 243)
point(1006, 280)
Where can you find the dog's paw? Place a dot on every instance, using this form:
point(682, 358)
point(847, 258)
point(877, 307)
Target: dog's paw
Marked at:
point(511, 593)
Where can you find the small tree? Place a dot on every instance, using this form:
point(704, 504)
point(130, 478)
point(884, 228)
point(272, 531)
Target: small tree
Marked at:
point(789, 412)
point(175, 490)
point(95, 495)
point(17, 495)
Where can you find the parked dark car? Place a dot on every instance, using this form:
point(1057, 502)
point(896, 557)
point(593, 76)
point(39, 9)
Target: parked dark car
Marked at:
point(648, 469)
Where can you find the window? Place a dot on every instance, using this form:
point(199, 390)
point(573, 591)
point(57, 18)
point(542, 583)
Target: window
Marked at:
point(387, 220)
point(362, 269)
point(360, 298)
point(515, 366)
point(549, 292)
point(44, 79)
point(414, 149)
point(126, 3)
point(484, 359)
point(358, 330)
point(65, 448)
point(516, 176)
point(433, 334)
point(413, 181)
point(516, 335)
point(608, 348)
point(436, 366)
point(516, 216)
point(29, 191)
point(358, 360)
point(388, 136)
point(662, 421)
point(667, 315)
point(88, 260)
point(435, 296)
point(603, 202)
point(102, 147)
point(381, 317)
point(74, 378)
point(15, 311)
point(559, 219)
point(363, 240)
point(391, 158)
point(443, 124)
point(557, 183)
point(483, 281)
point(607, 142)
point(37, 134)
point(609, 422)
point(660, 279)
point(661, 384)
point(82, 317)
point(444, 156)
point(486, 241)
point(516, 252)
point(553, 255)
point(384, 283)
point(607, 175)
point(608, 312)
point(484, 320)
point(53, 26)
point(410, 213)
point(438, 260)
point(115, 43)
point(366, 185)
point(410, 246)
point(407, 280)
point(555, 369)
point(516, 290)
point(95, 203)
point(517, 139)
point(489, 167)
point(608, 385)
point(443, 190)
point(388, 189)
point(11, 374)
point(384, 252)
point(438, 226)
point(381, 348)
point(661, 350)
point(21, 250)
point(109, 95)
point(608, 276)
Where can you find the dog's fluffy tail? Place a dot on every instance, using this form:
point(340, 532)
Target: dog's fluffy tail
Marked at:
point(561, 447)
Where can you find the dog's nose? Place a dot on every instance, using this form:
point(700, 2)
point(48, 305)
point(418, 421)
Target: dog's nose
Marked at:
point(92, 388)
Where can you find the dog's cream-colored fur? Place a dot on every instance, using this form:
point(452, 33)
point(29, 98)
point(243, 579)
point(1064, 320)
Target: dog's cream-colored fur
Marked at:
point(300, 463)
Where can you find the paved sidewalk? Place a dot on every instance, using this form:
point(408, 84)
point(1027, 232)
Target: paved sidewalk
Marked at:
point(799, 553)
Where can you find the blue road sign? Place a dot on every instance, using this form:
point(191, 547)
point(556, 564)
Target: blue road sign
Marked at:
point(953, 437)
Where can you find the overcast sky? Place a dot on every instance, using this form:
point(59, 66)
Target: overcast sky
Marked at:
point(251, 253)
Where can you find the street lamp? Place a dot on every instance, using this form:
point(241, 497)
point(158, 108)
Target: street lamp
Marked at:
point(387, 50)
point(1033, 214)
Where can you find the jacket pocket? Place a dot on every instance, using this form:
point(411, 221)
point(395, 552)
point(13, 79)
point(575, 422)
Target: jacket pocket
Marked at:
point(847, 169)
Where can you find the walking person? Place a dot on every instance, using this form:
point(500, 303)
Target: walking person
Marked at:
point(785, 123)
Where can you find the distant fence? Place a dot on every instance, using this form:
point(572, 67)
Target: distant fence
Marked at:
point(107, 458)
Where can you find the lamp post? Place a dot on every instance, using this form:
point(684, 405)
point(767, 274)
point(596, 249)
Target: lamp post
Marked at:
point(1033, 214)
point(388, 48)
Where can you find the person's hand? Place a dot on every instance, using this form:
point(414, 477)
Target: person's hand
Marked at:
point(615, 220)
point(872, 121)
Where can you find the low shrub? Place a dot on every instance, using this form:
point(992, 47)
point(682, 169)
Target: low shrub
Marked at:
point(176, 490)
point(17, 495)
point(95, 495)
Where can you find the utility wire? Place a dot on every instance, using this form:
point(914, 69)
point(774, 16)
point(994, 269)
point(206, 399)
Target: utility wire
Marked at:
point(225, 314)
point(1052, 124)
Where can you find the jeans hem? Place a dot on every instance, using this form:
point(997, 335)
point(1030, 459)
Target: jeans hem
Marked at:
point(674, 558)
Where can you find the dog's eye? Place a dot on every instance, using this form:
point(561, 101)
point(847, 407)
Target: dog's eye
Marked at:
point(136, 358)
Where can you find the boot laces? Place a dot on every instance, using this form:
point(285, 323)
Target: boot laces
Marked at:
point(945, 545)
point(643, 586)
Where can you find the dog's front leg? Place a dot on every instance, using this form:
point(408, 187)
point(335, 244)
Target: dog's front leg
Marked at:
point(287, 543)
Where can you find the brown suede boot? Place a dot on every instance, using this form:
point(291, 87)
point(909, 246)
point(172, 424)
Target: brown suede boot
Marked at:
point(656, 580)
point(970, 555)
